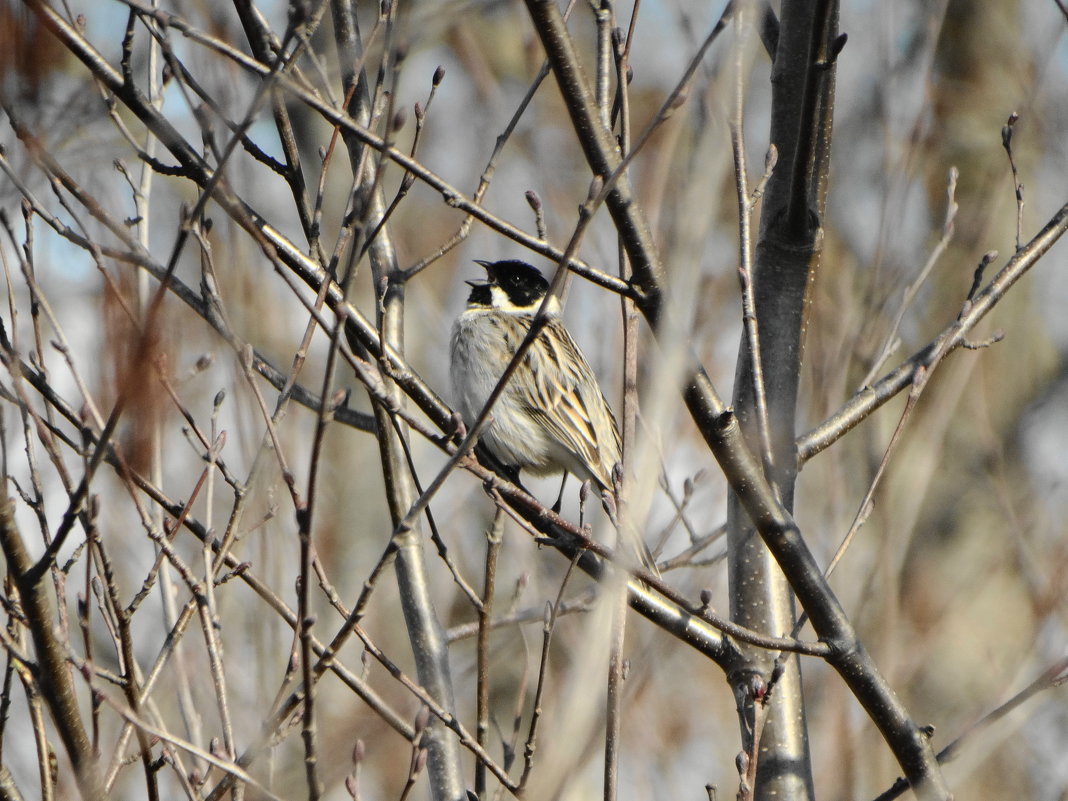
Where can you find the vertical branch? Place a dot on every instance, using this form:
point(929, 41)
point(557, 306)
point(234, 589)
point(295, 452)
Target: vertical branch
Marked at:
point(629, 417)
point(493, 548)
point(604, 17)
point(1006, 142)
point(40, 733)
point(142, 195)
point(745, 249)
point(426, 634)
point(552, 612)
point(125, 645)
point(613, 701)
point(306, 618)
point(786, 260)
point(614, 696)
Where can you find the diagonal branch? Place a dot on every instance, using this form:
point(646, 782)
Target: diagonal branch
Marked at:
point(53, 673)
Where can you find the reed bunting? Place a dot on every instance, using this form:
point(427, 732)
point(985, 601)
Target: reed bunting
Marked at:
point(551, 416)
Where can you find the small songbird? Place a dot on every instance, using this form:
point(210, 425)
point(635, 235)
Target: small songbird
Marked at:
point(551, 416)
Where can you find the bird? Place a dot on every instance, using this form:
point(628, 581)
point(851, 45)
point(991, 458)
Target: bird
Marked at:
point(551, 416)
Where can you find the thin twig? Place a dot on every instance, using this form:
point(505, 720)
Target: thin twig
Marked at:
point(909, 294)
point(548, 627)
point(493, 547)
point(745, 256)
point(1006, 142)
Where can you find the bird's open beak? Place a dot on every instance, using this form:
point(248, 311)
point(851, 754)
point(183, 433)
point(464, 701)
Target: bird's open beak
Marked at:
point(481, 281)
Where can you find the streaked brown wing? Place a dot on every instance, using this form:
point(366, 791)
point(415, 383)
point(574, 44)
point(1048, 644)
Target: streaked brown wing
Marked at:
point(562, 394)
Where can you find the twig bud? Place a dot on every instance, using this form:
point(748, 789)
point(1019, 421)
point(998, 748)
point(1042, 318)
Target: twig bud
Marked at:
point(771, 158)
point(741, 762)
point(977, 279)
point(776, 673)
point(838, 44)
point(241, 568)
point(1007, 128)
point(757, 687)
point(339, 399)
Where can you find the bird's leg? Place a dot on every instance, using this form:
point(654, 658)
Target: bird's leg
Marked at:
point(560, 498)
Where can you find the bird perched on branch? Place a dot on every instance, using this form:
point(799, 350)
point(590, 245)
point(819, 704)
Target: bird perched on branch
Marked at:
point(551, 416)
